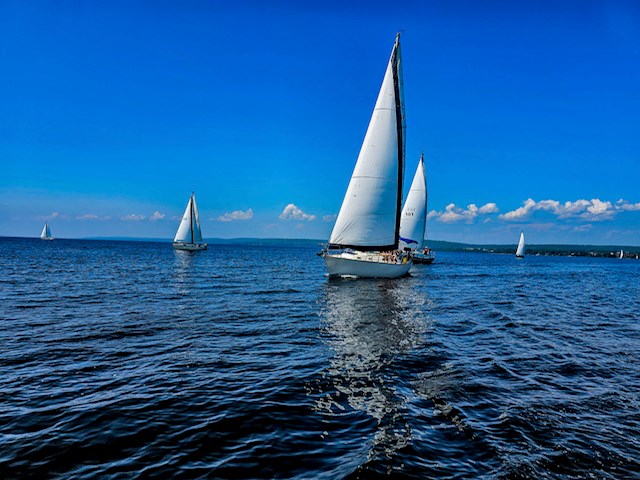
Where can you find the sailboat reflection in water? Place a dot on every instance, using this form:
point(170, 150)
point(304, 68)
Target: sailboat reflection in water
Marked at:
point(368, 325)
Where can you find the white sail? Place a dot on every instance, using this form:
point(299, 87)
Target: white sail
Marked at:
point(46, 232)
point(414, 213)
point(369, 216)
point(621, 254)
point(186, 233)
point(520, 249)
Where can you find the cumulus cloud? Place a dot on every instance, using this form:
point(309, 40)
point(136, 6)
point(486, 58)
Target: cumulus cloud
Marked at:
point(133, 218)
point(453, 214)
point(593, 210)
point(236, 215)
point(629, 207)
point(488, 208)
point(87, 216)
point(291, 212)
point(156, 216)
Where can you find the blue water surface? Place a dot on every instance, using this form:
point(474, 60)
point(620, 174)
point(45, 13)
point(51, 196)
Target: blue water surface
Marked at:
point(132, 360)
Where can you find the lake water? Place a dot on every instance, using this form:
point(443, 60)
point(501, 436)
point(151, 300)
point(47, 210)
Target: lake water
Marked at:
point(132, 360)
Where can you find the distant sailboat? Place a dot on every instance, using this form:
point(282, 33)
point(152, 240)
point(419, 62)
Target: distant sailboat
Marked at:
point(46, 232)
point(365, 238)
point(414, 218)
point(520, 249)
point(189, 235)
point(621, 255)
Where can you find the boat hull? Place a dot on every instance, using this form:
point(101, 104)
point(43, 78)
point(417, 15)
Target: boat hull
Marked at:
point(422, 259)
point(190, 247)
point(46, 238)
point(365, 266)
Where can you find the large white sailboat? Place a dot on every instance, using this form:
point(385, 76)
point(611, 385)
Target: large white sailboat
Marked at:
point(189, 235)
point(413, 220)
point(365, 238)
point(520, 249)
point(46, 232)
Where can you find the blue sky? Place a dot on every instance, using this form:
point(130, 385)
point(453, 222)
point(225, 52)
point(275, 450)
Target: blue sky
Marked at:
point(111, 113)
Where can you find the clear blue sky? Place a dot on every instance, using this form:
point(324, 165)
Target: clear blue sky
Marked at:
point(111, 113)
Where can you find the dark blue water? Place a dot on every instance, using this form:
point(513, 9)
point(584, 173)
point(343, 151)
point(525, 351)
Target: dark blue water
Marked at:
point(131, 360)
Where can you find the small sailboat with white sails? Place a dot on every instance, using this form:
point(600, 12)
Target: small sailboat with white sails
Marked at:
point(520, 249)
point(189, 236)
point(365, 238)
point(621, 254)
point(413, 220)
point(46, 232)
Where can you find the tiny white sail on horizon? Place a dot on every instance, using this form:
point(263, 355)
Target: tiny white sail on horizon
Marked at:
point(46, 232)
point(621, 254)
point(414, 212)
point(189, 234)
point(520, 249)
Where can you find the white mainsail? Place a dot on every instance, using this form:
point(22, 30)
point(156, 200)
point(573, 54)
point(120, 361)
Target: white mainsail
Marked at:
point(520, 249)
point(621, 254)
point(189, 230)
point(46, 232)
point(414, 213)
point(369, 218)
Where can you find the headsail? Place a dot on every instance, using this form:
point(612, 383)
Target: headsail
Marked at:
point(414, 213)
point(520, 249)
point(369, 218)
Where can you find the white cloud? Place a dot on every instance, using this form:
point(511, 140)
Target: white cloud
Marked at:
point(521, 212)
point(291, 212)
point(329, 218)
point(453, 214)
point(236, 215)
point(629, 207)
point(488, 208)
point(87, 216)
point(133, 218)
point(593, 210)
point(156, 216)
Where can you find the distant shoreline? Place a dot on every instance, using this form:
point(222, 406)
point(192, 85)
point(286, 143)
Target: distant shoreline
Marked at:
point(605, 251)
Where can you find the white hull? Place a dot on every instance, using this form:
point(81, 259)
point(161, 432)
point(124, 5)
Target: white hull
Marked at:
point(191, 247)
point(364, 264)
point(46, 238)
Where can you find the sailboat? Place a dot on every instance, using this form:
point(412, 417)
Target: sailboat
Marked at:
point(414, 218)
point(189, 235)
point(365, 238)
point(621, 255)
point(46, 232)
point(520, 249)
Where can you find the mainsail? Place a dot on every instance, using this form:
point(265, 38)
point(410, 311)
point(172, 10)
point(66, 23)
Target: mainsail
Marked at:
point(520, 249)
point(189, 229)
point(369, 218)
point(414, 213)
